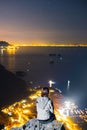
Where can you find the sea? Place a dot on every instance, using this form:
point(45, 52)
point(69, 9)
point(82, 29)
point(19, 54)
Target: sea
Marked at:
point(66, 67)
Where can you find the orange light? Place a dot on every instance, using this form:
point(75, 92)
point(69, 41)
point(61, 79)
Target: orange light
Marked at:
point(20, 112)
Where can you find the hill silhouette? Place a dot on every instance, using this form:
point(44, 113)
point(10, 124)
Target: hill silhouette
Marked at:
point(12, 88)
point(4, 43)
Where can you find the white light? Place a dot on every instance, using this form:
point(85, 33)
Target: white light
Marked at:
point(51, 83)
point(67, 104)
point(9, 113)
point(68, 85)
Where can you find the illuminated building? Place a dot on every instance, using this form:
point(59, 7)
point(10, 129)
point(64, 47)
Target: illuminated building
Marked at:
point(17, 114)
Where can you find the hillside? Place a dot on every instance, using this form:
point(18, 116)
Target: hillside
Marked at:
point(12, 88)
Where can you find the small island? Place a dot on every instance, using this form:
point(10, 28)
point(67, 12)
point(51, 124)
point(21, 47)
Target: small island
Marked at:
point(4, 43)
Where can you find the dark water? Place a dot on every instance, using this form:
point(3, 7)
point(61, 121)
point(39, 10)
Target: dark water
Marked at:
point(67, 64)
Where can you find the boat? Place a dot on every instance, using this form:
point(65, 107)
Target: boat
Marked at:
point(20, 73)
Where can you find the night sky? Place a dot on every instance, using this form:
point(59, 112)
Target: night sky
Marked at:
point(43, 20)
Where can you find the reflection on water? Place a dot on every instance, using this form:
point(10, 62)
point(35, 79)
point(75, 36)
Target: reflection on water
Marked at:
point(7, 57)
point(11, 50)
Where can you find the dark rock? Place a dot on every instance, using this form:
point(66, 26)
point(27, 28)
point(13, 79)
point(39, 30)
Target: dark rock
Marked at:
point(12, 88)
point(34, 124)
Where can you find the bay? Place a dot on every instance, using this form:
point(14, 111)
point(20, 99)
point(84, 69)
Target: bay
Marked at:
point(59, 64)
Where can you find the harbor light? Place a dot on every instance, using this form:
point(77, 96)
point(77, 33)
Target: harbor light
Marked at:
point(51, 83)
point(69, 106)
